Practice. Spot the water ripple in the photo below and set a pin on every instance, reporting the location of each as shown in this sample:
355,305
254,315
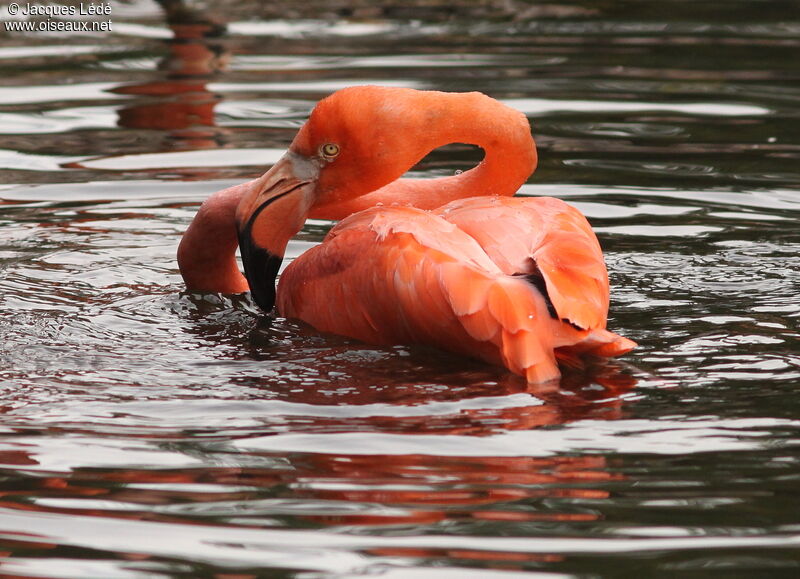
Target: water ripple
149,432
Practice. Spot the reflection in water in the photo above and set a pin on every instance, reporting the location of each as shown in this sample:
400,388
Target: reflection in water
181,105
340,491
145,432
263,489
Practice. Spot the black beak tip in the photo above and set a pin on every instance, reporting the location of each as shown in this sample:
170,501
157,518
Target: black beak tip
261,270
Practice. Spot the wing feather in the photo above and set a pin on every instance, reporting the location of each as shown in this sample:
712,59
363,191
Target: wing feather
526,235
403,275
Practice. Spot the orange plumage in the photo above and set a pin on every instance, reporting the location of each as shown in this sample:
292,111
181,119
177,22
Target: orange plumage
513,281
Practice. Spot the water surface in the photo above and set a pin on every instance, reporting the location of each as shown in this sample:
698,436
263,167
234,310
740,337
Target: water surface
147,432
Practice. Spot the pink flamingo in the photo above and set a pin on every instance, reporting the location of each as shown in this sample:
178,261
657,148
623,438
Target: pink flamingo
453,262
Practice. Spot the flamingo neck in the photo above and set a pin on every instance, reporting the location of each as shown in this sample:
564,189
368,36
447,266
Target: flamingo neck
207,251
509,159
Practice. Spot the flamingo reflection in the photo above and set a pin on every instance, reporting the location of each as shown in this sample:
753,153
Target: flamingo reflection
180,103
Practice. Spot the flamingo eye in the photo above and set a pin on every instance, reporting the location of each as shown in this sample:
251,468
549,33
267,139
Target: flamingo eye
329,151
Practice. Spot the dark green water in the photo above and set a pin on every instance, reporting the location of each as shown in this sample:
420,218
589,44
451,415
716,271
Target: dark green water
148,433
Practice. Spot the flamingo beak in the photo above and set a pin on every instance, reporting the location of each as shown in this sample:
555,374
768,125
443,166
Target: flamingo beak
268,216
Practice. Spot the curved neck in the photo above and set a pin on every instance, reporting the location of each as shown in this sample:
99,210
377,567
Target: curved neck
419,123
475,119
207,251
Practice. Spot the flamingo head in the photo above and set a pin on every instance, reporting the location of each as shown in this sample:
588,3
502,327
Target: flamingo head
355,141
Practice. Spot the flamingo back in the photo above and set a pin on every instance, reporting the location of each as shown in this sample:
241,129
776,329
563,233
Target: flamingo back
404,275
541,237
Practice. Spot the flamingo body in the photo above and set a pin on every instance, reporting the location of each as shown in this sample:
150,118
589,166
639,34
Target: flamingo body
519,282
459,279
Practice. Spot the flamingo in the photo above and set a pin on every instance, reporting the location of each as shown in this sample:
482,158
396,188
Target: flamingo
454,262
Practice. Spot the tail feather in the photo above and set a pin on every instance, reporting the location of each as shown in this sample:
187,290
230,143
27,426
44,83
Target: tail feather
599,342
512,315
507,312
615,346
525,354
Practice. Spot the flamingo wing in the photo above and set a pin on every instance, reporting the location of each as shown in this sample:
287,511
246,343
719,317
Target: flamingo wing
404,275
546,240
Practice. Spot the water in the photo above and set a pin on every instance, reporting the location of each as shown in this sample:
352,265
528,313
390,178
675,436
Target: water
148,432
